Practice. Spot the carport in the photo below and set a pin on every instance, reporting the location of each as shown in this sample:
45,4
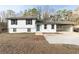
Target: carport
64,28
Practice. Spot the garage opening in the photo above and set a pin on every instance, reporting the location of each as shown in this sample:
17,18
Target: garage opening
63,28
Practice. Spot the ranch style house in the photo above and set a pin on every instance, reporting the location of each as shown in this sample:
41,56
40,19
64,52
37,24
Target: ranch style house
32,24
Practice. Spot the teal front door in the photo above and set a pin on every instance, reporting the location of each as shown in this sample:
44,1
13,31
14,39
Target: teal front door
38,27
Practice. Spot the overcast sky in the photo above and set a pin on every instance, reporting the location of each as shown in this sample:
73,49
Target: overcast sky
18,8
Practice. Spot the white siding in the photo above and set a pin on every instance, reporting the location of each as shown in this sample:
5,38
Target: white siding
48,28
21,26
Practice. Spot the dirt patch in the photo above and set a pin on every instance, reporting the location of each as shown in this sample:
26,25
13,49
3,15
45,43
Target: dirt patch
30,43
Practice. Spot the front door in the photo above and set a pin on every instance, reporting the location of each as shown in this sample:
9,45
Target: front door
38,27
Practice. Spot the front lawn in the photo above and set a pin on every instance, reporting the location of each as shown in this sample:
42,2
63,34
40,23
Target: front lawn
30,43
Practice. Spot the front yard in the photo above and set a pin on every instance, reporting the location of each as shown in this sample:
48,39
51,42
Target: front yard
30,43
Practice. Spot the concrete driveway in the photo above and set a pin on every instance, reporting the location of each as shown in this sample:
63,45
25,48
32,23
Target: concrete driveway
63,38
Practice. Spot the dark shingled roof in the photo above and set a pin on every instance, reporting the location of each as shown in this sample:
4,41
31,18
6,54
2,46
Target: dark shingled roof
58,22
55,22
23,17
42,21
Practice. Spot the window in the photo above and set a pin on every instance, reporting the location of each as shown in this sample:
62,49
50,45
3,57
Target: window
14,21
28,29
52,26
29,21
45,26
14,29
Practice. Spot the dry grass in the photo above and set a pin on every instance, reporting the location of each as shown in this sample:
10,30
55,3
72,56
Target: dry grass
29,43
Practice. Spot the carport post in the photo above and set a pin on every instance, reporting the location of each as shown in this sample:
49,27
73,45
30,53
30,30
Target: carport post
55,27
71,28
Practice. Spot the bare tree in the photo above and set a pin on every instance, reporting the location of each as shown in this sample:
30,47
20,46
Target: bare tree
10,13
3,16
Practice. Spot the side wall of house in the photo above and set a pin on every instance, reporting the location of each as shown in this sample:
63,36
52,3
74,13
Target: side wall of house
21,26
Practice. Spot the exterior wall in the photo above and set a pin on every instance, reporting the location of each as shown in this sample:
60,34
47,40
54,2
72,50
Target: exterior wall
21,26
48,28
